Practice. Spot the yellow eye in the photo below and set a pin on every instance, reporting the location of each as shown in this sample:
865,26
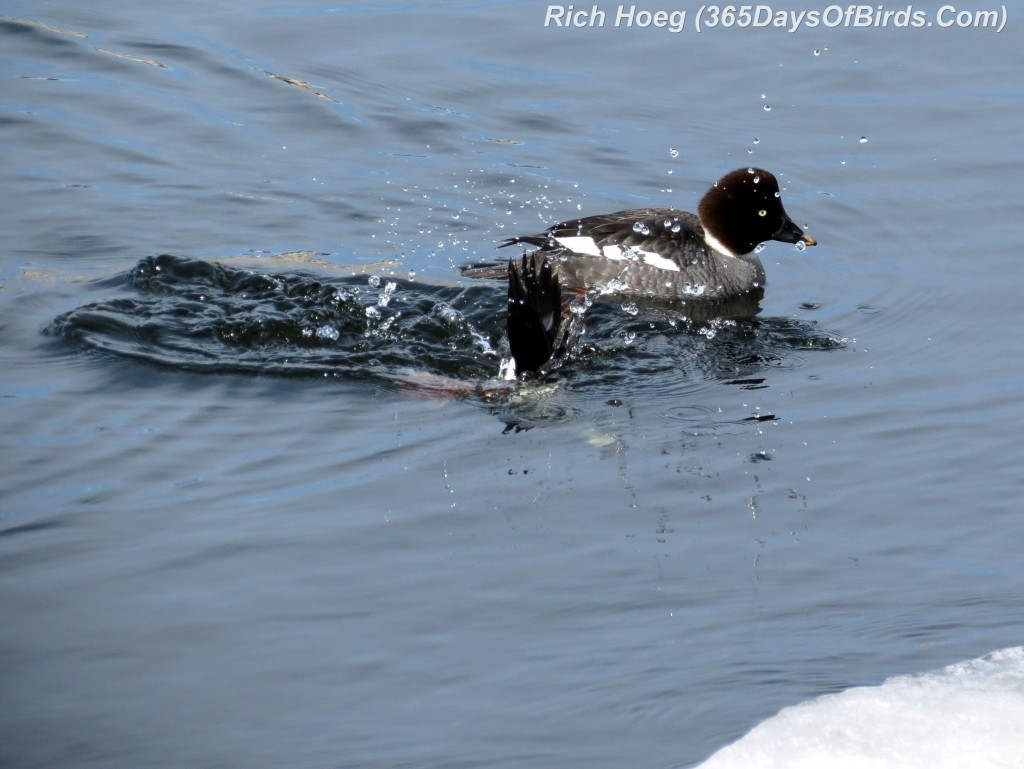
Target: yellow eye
762,212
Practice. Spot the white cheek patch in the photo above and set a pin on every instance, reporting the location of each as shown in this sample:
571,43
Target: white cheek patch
580,244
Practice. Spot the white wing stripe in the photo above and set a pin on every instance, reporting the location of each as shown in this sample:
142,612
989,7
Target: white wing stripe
581,244
658,261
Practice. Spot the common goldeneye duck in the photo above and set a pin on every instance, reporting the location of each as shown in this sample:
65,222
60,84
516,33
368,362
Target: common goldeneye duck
666,253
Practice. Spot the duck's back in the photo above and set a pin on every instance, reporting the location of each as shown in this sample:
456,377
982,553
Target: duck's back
654,252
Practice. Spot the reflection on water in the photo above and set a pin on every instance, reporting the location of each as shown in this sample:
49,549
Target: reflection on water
202,316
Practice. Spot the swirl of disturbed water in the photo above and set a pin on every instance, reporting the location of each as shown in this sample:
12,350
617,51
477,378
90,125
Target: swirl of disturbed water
202,316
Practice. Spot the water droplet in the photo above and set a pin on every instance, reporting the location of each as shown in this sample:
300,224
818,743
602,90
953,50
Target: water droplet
757,179
328,331
800,245
385,295
863,140
690,289
767,107
447,313
756,140
374,281
673,153
641,228
817,52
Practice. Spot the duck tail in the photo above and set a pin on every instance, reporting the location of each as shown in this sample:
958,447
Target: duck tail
534,311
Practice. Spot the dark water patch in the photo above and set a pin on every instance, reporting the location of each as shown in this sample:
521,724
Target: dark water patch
200,316
28,528
438,340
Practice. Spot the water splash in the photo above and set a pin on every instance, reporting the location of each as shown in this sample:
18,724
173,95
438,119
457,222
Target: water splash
197,316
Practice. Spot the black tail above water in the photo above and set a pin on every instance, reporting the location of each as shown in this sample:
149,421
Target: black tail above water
534,311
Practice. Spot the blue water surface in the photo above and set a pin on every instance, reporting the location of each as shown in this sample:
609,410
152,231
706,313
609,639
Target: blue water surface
341,566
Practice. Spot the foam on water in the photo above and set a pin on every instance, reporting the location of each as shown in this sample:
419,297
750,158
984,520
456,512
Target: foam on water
970,714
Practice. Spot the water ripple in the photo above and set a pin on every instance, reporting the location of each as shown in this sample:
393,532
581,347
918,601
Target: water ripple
447,340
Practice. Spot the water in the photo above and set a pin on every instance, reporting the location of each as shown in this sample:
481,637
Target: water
286,548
